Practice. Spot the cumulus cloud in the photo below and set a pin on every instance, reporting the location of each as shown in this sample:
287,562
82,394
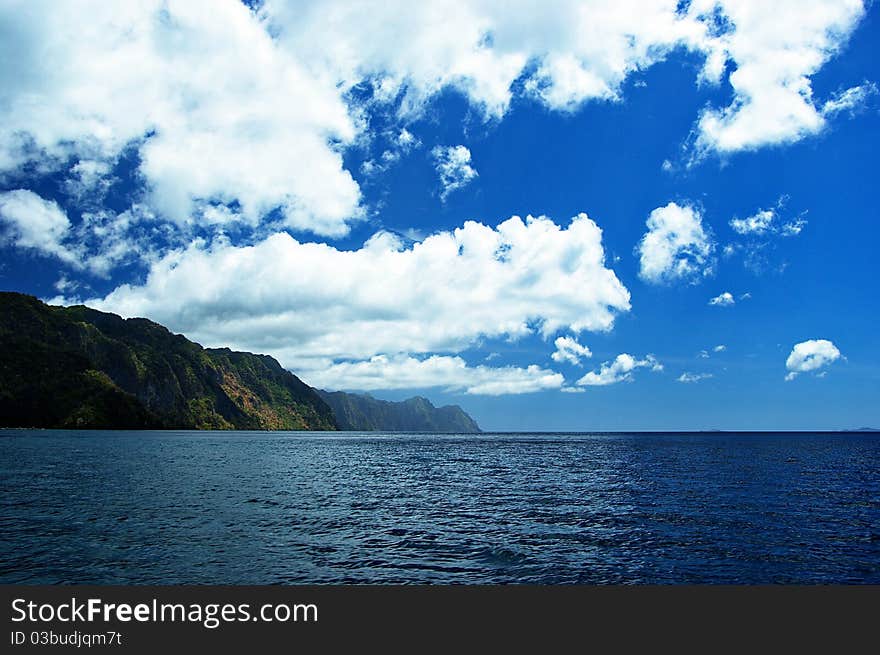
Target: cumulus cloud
265,133
569,350
720,348
209,125
453,164
810,355
619,370
676,246
722,300
690,378
31,222
451,373
775,48
573,52
300,301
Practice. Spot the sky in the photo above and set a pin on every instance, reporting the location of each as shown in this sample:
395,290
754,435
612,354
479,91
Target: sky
604,215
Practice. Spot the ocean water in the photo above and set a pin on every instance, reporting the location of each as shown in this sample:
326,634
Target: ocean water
261,508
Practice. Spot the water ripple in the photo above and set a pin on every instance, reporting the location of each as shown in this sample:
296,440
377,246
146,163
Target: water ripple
257,508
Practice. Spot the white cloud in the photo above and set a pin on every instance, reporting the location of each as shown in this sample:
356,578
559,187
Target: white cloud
775,47
569,52
722,300
619,370
100,241
303,301
401,143
690,378
810,355
65,285
209,123
850,100
406,140
569,350
765,221
758,233
451,373
793,228
266,132
704,354
88,181
676,246
756,224
34,223
453,165
105,239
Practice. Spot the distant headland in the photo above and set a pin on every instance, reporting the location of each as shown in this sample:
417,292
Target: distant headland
76,367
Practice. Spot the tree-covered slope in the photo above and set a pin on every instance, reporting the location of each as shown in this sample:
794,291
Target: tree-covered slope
357,412
78,367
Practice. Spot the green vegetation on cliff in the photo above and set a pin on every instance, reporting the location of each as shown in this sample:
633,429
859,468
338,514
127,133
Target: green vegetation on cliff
357,412
76,367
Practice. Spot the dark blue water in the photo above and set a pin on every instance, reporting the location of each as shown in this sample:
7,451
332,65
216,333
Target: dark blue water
184,507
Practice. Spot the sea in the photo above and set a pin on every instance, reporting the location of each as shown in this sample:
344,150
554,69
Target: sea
127,507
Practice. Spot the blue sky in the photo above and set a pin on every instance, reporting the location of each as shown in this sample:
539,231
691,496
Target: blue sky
335,185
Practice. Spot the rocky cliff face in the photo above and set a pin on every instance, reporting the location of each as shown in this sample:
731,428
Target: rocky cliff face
77,367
